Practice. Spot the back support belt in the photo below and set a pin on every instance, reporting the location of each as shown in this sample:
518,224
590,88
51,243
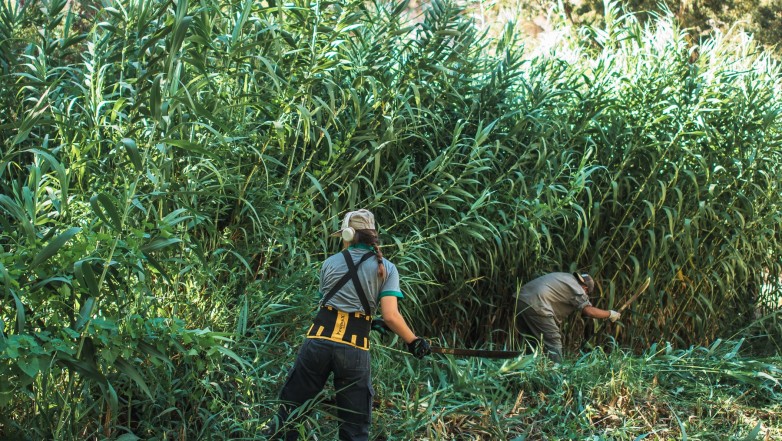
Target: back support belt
351,328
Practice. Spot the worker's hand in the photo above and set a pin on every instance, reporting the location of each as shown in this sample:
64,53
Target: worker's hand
614,316
380,326
419,348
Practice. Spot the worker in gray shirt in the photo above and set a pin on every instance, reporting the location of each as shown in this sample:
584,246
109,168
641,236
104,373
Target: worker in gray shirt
543,303
354,285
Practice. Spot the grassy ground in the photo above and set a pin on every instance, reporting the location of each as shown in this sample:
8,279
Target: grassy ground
698,394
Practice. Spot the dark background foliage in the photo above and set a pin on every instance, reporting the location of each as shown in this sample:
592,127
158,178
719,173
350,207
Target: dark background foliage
760,18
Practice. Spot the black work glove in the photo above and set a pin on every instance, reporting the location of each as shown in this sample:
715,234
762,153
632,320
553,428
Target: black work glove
380,326
419,348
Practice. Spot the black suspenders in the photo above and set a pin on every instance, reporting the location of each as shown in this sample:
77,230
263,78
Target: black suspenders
343,327
352,274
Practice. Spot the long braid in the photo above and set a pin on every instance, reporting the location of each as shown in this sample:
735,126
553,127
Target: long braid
381,269
369,237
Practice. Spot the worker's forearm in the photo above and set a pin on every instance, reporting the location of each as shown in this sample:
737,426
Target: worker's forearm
396,323
591,311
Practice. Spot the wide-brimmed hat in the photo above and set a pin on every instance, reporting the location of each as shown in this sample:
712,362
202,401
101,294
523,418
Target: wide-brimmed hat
362,219
586,280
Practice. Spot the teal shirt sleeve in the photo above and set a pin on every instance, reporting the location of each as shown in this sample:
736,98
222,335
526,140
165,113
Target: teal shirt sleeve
391,285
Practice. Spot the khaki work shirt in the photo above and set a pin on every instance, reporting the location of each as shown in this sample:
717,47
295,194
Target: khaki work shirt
554,294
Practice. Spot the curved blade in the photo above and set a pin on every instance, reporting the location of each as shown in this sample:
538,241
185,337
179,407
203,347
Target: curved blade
635,296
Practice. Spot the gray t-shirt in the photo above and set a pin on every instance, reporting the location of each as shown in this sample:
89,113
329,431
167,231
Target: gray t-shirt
554,294
346,299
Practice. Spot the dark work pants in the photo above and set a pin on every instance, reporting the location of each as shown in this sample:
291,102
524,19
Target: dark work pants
317,359
539,327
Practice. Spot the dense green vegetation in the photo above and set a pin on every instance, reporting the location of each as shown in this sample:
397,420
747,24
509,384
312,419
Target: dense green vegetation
170,171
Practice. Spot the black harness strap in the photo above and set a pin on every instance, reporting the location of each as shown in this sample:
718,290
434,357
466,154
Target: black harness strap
353,271
352,274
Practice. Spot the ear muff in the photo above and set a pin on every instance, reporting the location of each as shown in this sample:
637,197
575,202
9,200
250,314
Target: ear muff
348,234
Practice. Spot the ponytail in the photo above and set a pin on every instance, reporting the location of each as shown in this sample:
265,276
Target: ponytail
369,237
381,269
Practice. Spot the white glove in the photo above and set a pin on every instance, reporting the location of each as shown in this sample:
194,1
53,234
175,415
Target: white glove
614,316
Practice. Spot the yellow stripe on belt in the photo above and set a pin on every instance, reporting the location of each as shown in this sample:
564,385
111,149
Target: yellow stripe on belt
340,325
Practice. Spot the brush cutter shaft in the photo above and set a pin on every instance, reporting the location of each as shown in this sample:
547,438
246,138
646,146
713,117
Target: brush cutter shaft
483,353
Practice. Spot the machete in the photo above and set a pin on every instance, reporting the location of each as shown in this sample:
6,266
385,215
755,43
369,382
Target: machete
483,353
635,296
380,326
592,333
